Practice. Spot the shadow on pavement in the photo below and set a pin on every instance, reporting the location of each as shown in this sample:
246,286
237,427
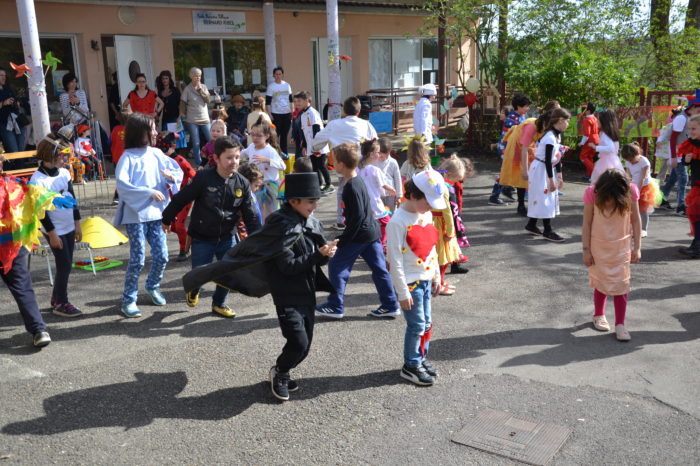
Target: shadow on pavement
137,403
564,346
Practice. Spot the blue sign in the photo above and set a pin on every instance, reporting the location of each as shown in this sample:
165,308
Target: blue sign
382,121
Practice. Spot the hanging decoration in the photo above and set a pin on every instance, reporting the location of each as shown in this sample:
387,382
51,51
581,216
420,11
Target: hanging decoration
49,61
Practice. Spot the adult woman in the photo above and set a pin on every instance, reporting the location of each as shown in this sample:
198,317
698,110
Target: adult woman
194,107
170,95
142,99
10,132
278,98
74,105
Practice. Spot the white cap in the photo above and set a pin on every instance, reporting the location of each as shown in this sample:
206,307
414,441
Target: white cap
433,186
428,89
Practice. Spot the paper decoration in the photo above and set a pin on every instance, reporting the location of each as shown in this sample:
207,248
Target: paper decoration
50,62
472,85
22,70
256,77
237,77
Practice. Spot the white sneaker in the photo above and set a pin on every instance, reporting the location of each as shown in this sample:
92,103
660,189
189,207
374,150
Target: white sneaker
644,233
621,333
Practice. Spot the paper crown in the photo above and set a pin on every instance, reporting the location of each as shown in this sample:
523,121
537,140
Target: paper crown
101,234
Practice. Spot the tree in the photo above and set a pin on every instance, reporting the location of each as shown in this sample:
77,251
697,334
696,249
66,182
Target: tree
466,21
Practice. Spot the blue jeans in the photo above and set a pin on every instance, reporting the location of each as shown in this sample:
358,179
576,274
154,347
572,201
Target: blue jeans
680,175
12,142
340,266
418,322
203,253
140,233
199,135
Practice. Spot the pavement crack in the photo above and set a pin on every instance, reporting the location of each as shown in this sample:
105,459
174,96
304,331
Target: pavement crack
674,407
644,378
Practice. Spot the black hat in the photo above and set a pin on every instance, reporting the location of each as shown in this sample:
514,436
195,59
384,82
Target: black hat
302,186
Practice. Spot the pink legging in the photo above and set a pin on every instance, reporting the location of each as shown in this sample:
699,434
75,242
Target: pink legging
620,301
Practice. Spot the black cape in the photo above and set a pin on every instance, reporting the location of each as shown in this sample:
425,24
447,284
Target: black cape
242,269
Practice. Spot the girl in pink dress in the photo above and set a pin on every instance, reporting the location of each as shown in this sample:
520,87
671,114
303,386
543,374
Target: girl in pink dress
608,147
611,237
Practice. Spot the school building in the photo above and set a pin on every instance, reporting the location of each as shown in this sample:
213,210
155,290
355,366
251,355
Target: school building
98,38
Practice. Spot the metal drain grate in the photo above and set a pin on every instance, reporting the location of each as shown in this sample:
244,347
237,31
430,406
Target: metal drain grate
524,440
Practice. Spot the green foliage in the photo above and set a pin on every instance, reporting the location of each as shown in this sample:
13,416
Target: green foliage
573,75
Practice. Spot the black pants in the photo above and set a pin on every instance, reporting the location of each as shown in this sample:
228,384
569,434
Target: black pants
297,325
320,165
64,265
282,121
19,281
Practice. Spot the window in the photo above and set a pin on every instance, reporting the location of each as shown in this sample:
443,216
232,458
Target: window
402,62
203,54
61,48
235,66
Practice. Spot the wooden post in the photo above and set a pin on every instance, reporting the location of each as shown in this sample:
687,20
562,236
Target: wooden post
270,41
333,60
32,56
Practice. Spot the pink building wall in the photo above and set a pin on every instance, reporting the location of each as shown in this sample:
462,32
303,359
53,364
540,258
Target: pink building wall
162,23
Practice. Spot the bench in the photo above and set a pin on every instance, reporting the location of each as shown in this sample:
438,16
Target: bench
21,172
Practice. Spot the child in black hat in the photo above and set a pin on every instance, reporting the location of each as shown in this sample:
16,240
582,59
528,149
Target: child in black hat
283,258
295,275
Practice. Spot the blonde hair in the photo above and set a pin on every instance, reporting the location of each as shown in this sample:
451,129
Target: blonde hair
348,154
694,119
453,168
418,154
219,123
457,169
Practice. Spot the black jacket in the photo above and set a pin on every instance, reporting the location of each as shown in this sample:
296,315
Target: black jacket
217,203
282,258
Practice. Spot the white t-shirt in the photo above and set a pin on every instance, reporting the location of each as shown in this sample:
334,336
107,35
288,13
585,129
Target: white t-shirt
636,171
309,118
62,219
374,180
349,129
404,266
392,175
680,125
280,97
270,170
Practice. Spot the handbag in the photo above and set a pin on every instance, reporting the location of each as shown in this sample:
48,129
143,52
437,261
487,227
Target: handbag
22,120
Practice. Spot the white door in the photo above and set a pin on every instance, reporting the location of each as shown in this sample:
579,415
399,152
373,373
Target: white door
346,89
133,56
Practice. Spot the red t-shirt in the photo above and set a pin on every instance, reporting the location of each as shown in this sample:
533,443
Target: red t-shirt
145,105
117,143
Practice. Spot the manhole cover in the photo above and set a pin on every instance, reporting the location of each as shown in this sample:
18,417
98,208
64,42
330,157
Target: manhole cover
503,434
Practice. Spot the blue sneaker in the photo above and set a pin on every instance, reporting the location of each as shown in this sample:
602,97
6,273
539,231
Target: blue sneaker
381,312
328,311
130,310
156,296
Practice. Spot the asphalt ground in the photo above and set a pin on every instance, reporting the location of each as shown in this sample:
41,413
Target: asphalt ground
182,385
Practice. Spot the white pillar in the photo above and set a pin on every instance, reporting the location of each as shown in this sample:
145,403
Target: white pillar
32,57
333,61
270,43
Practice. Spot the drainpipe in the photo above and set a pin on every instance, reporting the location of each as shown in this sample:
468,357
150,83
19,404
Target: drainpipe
32,57
270,43
333,60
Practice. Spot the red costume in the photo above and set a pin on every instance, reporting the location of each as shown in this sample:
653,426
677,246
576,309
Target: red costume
692,199
178,226
117,139
589,126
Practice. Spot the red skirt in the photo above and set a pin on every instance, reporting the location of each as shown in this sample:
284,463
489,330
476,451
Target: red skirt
692,207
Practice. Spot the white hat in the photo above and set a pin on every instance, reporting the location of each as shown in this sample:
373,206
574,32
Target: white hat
428,89
433,186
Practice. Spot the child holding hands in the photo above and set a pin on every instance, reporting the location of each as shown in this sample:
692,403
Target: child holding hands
611,237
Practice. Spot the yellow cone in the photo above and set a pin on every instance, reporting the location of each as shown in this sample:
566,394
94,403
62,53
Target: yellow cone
101,234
